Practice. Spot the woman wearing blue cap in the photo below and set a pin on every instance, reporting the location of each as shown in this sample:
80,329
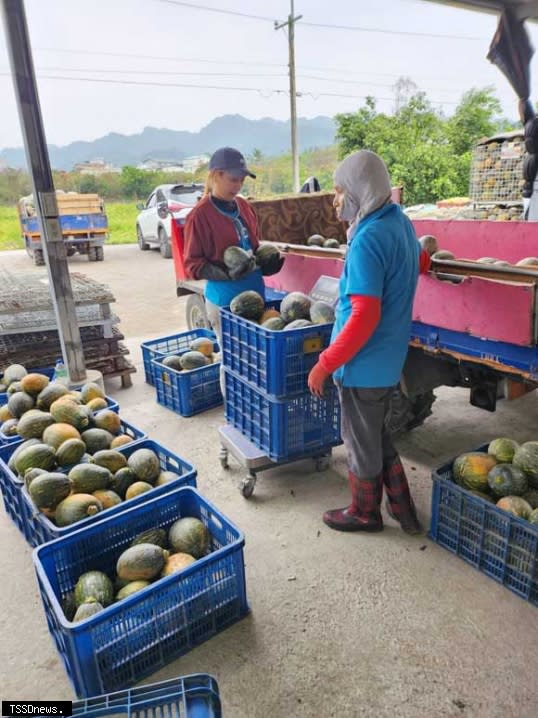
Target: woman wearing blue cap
222,219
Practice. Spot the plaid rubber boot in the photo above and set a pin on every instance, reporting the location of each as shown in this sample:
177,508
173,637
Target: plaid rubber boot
363,513
399,503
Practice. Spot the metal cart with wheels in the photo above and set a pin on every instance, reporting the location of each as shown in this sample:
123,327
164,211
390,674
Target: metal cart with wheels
254,460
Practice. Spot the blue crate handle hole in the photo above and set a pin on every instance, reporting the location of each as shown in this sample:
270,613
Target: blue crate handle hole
215,521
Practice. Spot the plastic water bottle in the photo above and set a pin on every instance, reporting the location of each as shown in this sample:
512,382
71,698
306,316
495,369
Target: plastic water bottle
60,372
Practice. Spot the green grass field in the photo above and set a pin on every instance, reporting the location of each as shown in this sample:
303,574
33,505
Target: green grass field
121,222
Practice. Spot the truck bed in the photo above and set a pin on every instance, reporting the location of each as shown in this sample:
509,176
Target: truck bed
70,224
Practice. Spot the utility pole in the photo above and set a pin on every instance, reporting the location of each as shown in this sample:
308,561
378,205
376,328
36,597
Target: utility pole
293,94
22,70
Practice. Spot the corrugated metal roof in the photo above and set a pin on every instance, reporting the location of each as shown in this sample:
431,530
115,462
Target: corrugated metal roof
525,9
501,136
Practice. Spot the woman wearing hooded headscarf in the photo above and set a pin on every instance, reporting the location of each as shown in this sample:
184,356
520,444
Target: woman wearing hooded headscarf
370,339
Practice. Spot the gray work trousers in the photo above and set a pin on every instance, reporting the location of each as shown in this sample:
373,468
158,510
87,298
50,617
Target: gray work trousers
367,442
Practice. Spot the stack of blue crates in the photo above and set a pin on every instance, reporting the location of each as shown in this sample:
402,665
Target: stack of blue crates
267,396
185,392
133,637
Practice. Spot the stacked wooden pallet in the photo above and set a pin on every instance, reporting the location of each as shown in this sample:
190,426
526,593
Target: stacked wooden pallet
28,332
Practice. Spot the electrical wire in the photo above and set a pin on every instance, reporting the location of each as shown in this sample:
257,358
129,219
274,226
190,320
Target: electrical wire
411,33
157,72
168,58
268,92
152,84
197,6
220,74
327,26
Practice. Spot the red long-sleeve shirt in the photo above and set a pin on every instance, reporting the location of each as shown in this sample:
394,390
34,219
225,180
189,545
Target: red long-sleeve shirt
208,233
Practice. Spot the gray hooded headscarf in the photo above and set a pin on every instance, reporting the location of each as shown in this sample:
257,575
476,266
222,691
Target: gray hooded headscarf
366,183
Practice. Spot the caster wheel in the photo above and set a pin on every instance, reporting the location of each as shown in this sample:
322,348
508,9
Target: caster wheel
223,458
247,486
322,463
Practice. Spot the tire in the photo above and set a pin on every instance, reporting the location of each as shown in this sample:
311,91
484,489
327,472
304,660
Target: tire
39,259
165,247
142,244
92,254
406,413
196,313
100,254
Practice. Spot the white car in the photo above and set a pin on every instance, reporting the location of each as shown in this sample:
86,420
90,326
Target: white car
154,223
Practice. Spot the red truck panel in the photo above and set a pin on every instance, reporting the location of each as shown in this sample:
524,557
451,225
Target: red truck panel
481,307
300,273
470,239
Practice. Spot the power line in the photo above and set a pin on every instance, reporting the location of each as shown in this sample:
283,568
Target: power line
157,72
219,10
169,58
263,92
327,26
356,28
156,57
217,74
153,84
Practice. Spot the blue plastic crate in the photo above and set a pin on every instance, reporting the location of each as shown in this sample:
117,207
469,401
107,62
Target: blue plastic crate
278,363
38,529
495,542
19,511
10,486
193,696
172,344
132,638
283,429
4,439
187,392
48,372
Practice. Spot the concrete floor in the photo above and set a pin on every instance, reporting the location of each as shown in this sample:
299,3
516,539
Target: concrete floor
341,625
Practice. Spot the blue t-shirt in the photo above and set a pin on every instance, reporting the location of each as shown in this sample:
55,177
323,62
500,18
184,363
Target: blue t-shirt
382,261
222,293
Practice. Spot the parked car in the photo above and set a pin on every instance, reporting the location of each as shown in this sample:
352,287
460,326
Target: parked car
154,223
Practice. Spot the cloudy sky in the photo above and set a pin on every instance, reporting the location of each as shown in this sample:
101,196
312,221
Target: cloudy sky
120,65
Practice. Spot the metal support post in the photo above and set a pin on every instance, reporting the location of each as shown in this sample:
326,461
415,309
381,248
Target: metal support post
24,81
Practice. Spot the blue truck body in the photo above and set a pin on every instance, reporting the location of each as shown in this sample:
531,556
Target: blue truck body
83,232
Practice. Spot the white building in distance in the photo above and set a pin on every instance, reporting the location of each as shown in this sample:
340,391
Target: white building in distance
96,167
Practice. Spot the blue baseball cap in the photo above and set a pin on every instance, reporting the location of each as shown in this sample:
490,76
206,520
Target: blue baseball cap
230,160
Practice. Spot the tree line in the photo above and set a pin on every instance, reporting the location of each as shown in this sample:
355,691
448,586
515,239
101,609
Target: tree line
426,152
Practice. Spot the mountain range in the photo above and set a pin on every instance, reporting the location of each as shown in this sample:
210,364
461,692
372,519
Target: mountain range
271,137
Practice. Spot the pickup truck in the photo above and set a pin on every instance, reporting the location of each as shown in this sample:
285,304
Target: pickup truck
474,325
83,222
